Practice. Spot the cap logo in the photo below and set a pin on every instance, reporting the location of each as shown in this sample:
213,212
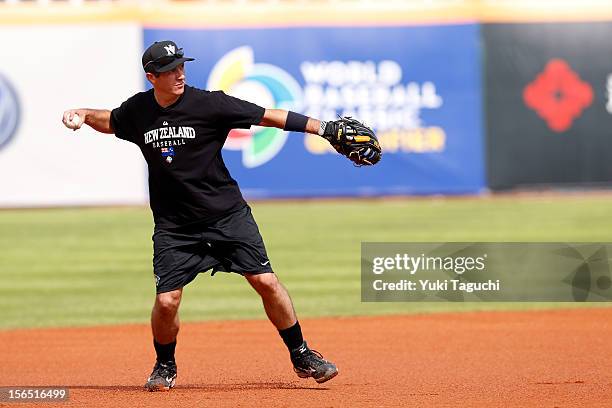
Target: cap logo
170,49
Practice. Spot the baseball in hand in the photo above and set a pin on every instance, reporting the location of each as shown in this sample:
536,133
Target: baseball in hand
76,121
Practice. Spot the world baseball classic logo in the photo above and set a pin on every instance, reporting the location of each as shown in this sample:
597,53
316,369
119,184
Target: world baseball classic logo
237,74
9,111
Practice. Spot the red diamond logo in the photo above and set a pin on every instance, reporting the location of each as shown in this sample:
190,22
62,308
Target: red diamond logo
558,95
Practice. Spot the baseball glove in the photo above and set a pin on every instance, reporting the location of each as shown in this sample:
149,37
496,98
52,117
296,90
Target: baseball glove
354,140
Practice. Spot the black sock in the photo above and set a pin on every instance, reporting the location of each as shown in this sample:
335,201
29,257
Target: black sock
165,352
292,336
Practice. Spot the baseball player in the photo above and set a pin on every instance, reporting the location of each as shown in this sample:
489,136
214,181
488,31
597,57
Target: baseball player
202,222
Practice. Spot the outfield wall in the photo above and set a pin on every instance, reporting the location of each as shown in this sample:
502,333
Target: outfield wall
549,112
454,90
46,70
427,116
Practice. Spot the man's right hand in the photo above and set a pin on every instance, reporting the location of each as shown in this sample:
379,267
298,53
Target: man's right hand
74,118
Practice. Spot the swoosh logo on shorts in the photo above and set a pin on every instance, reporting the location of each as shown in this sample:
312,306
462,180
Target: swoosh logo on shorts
265,263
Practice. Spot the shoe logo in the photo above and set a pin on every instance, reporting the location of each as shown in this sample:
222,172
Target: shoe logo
265,263
170,379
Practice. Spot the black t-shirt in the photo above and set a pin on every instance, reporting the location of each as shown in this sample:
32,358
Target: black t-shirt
188,180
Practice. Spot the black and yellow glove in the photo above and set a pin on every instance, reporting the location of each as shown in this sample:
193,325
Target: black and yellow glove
352,139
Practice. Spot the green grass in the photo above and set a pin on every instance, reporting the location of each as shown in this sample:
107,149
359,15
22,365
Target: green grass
63,267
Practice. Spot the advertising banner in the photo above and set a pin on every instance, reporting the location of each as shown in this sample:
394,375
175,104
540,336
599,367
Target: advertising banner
418,87
51,69
548,106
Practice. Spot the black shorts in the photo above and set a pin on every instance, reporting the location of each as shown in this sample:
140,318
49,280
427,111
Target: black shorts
230,244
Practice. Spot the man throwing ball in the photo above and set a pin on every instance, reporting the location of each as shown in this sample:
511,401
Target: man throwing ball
202,222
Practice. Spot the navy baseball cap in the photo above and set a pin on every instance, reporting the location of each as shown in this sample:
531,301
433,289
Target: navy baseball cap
163,56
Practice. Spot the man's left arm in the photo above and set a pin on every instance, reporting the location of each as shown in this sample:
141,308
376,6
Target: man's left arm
278,118
347,136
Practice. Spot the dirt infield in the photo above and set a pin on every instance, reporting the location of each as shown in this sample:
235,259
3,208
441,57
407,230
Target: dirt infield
544,359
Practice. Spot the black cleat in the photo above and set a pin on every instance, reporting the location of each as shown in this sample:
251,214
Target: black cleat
163,376
310,363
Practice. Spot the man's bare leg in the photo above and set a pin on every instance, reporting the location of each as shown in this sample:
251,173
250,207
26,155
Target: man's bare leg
165,326
280,311
275,298
164,316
